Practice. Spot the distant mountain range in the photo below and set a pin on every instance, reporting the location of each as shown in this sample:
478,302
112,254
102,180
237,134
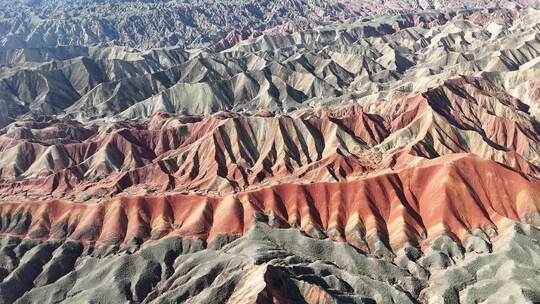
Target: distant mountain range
147,24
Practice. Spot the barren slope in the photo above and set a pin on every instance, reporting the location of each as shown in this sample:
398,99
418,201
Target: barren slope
390,159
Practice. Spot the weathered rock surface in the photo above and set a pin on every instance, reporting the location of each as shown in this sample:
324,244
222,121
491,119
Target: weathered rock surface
266,265
366,59
269,152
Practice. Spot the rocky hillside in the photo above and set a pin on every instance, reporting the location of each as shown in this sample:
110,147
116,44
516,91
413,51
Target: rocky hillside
273,152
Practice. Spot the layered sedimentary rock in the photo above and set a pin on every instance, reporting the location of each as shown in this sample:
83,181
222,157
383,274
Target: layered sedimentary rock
408,206
228,152
389,159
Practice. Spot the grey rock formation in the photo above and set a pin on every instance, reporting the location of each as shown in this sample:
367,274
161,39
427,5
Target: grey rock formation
280,264
361,60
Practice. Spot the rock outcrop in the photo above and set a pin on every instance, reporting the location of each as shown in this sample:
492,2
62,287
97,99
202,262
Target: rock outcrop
291,152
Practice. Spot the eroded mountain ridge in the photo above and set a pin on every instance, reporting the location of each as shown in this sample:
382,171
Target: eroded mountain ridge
382,159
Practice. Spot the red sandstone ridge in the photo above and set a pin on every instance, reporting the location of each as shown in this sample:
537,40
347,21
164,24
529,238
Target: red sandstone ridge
396,171
229,152
450,195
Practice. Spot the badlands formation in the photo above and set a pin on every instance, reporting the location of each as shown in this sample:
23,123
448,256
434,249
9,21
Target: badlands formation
351,158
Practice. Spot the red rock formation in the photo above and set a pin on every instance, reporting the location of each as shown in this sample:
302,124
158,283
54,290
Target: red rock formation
449,195
397,171
230,152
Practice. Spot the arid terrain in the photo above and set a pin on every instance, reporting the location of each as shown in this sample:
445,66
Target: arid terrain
270,151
